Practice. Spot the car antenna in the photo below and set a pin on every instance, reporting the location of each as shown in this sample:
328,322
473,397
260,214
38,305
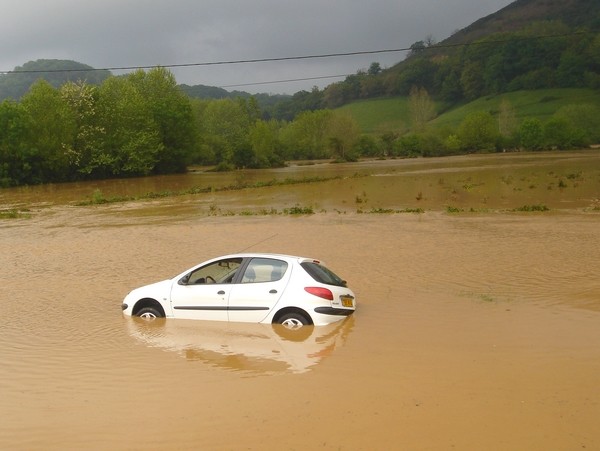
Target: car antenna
260,242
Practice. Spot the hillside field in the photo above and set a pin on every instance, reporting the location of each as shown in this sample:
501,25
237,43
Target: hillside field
393,114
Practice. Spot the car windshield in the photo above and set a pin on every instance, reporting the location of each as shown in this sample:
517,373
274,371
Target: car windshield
322,274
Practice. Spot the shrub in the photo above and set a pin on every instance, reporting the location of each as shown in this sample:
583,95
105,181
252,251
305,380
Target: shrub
478,132
531,134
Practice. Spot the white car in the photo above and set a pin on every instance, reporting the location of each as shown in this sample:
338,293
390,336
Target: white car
257,288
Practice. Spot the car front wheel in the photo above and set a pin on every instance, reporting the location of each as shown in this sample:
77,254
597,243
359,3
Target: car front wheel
293,321
149,313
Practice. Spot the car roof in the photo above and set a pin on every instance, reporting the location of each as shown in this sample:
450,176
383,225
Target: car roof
297,258
268,255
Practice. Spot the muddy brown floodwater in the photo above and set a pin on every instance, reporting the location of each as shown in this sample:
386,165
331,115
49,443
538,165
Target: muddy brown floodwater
475,330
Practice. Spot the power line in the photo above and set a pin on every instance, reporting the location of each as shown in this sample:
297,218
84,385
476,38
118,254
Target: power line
291,58
289,80
210,63
301,57
434,46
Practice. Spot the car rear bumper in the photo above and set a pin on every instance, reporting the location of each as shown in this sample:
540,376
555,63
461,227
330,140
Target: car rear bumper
334,311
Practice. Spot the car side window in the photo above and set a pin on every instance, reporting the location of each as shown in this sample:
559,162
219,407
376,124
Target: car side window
222,271
264,270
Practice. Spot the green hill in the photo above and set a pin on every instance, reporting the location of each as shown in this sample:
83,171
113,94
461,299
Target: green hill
56,72
380,115
540,104
393,114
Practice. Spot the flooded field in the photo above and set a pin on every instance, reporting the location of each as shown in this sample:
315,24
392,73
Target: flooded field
478,323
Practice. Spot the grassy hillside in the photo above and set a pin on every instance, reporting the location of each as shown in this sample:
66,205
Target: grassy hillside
392,114
380,115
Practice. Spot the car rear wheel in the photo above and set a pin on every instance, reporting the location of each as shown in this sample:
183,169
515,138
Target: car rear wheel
293,321
149,313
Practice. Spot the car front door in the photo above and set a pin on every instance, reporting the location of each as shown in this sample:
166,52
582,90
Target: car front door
203,293
258,290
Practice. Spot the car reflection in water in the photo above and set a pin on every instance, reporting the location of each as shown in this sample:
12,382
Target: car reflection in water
259,349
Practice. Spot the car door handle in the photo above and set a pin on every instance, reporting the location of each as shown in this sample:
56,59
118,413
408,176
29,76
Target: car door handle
273,291
220,292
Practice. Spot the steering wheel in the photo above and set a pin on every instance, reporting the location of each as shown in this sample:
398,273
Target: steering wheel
209,279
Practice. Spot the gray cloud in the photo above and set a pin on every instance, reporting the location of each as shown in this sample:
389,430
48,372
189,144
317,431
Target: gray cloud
116,33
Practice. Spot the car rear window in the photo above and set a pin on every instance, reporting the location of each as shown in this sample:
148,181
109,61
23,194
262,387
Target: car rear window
322,274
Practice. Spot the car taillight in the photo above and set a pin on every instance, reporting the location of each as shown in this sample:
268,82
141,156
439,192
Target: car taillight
321,292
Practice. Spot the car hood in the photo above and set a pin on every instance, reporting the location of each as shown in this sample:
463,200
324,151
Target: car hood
154,290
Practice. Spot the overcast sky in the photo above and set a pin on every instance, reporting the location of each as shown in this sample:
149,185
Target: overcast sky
124,33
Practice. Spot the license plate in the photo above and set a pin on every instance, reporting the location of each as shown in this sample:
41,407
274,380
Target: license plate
347,301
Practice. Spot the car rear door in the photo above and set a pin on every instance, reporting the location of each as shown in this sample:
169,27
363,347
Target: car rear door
259,289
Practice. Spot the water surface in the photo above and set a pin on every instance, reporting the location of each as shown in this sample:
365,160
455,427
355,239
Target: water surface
475,330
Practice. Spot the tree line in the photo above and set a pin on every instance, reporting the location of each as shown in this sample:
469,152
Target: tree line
571,126
142,124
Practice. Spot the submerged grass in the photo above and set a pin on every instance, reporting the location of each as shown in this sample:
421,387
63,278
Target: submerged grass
531,208
98,198
296,210
390,210
299,210
14,214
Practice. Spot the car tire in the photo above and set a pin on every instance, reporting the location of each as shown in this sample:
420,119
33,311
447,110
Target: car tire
149,313
293,321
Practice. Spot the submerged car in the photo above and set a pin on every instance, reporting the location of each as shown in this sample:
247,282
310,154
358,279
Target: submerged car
259,288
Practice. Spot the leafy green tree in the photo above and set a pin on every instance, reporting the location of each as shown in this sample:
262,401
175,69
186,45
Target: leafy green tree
583,117
52,130
225,126
409,145
16,155
570,72
132,138
333,95
367,146
471,80
264,141
478,132
531,133
172,112
351,87
374,69
452,144
420,72
307,137
343,133
80,149
561,134
372,86
300,101
451,89
422,108
251,107
388,140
